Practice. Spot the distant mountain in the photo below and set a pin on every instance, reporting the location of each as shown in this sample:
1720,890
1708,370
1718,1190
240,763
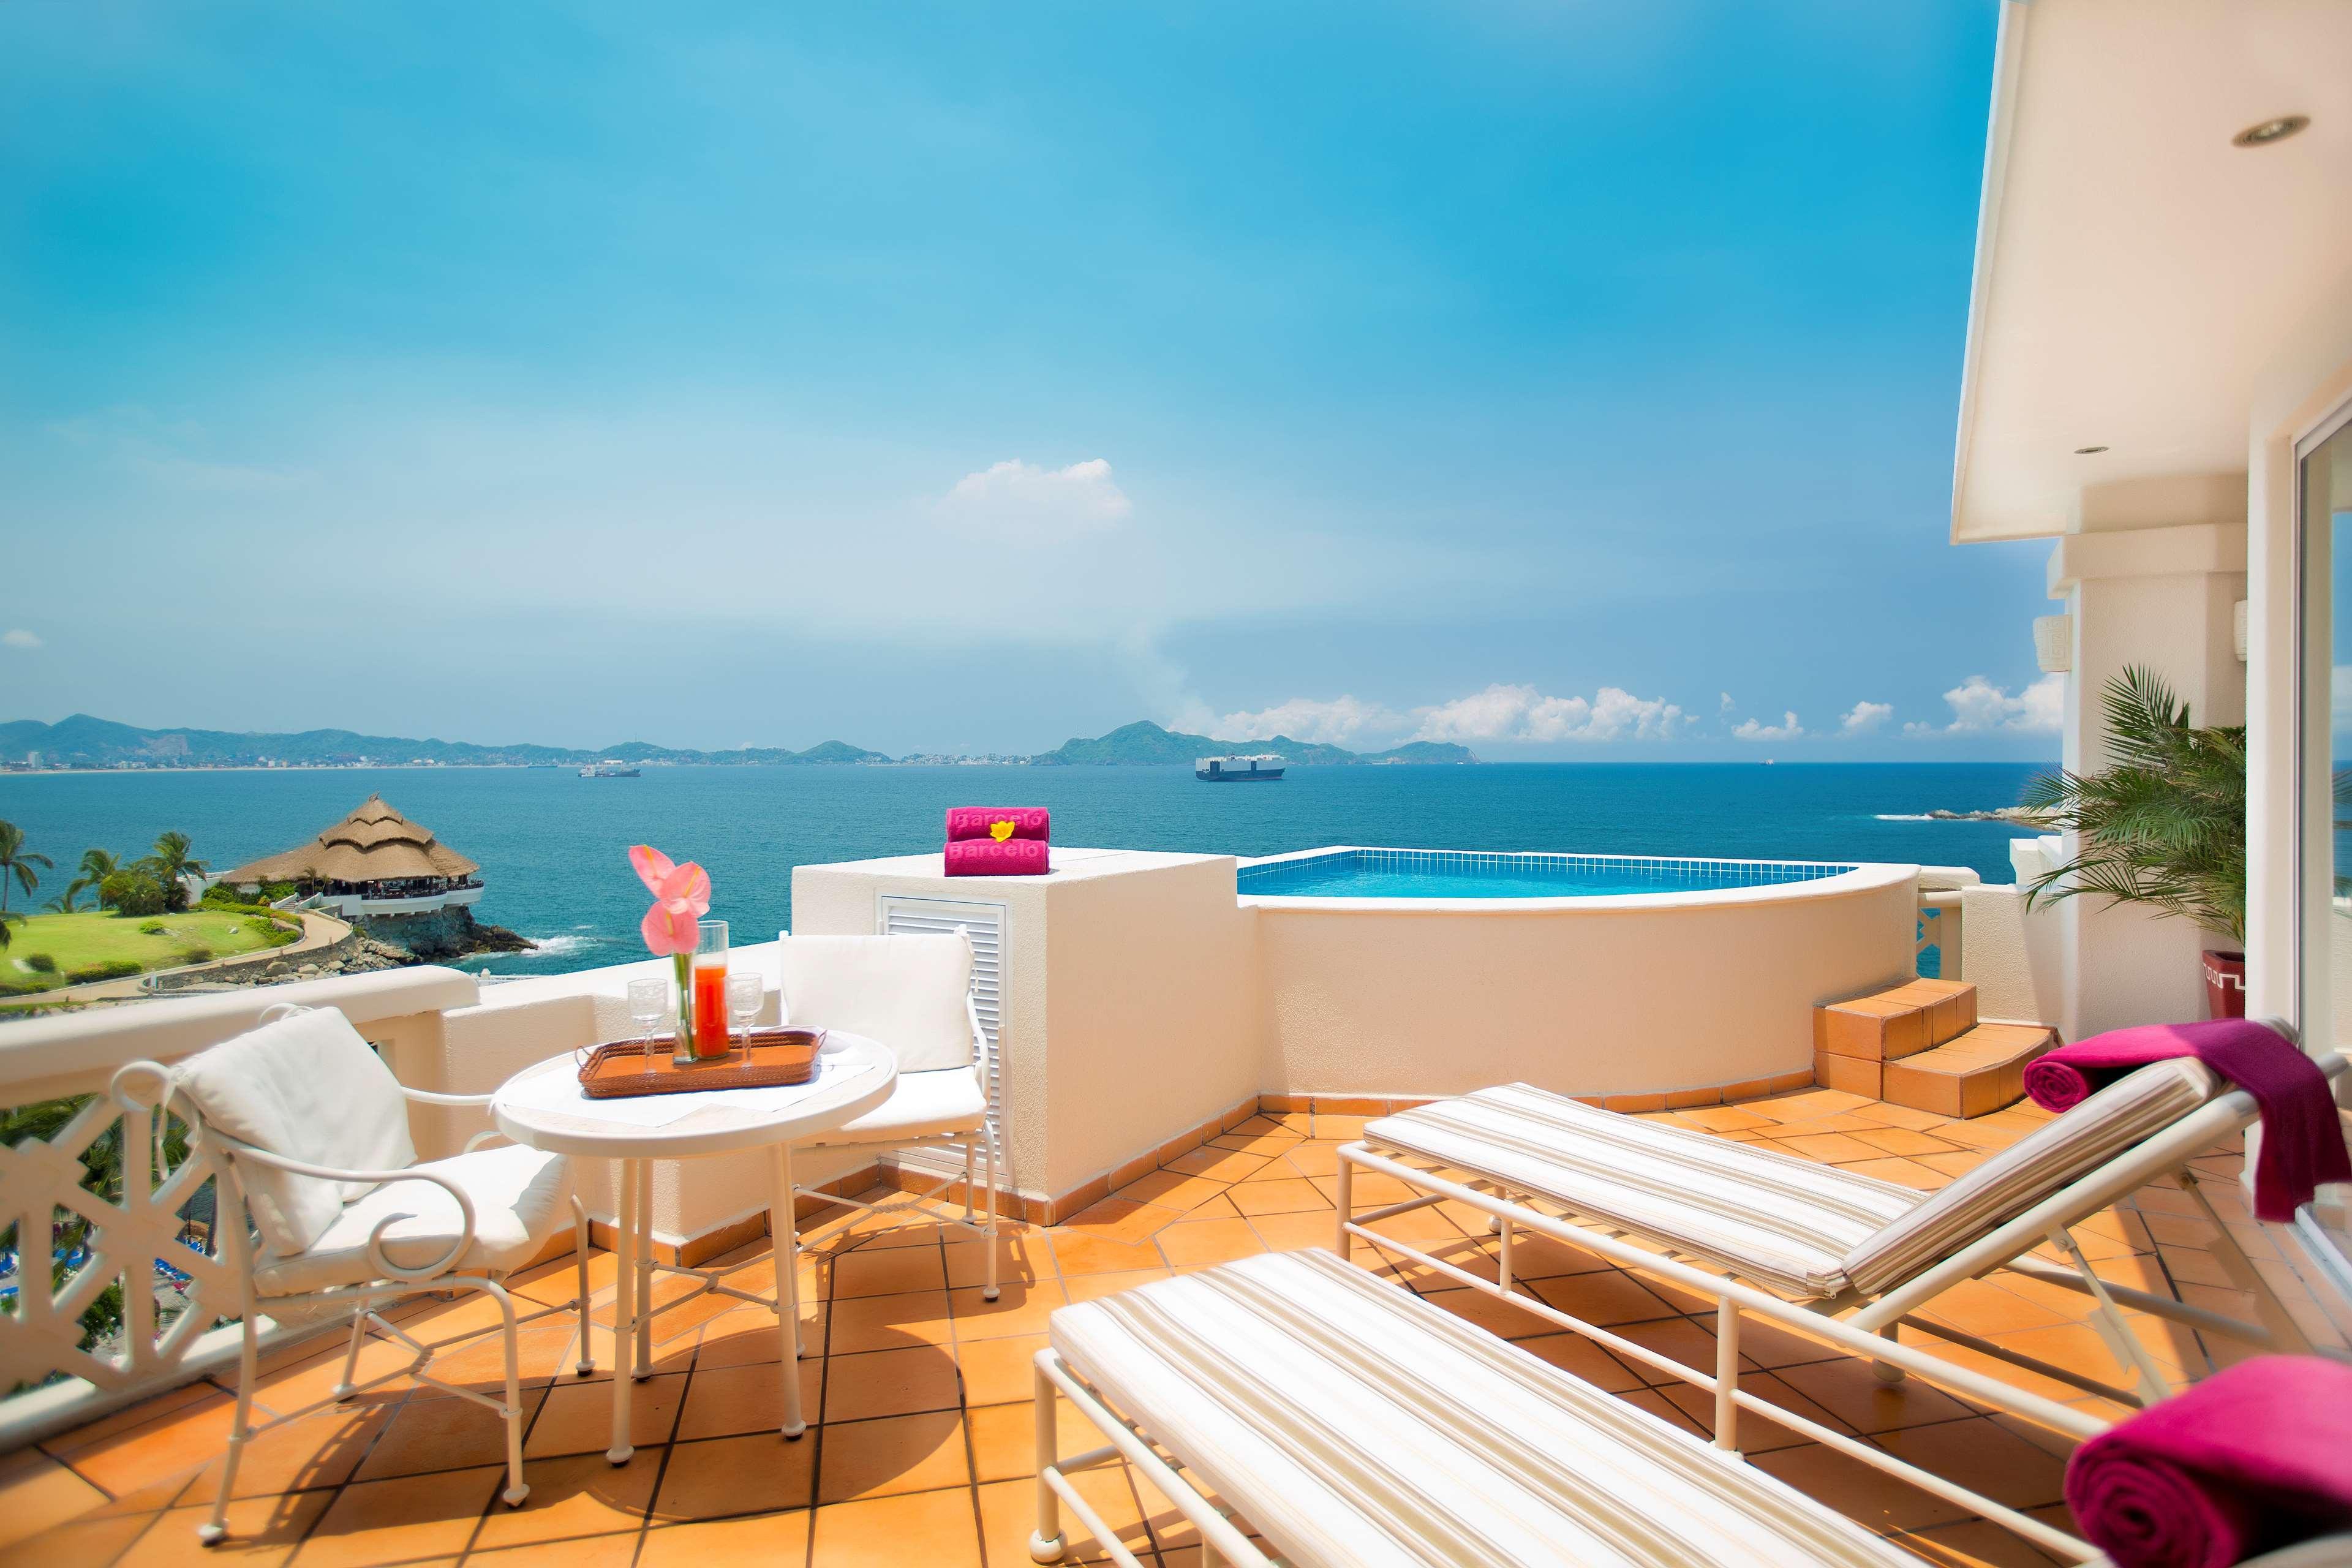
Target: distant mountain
83,741
1145,742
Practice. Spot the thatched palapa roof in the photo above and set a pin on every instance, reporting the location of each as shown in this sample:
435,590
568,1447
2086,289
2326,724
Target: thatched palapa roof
373,843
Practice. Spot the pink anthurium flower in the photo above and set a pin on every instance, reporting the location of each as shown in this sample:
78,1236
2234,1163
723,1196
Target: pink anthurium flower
681,897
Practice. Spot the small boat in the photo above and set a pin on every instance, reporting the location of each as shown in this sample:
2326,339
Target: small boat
1265,768
607,771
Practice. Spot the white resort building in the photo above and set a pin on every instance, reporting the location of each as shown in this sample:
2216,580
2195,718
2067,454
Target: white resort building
1861,1307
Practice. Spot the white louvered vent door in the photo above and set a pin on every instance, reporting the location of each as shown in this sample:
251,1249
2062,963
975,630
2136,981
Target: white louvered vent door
898,915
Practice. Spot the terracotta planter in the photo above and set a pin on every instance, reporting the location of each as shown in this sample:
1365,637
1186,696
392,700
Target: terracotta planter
2225,985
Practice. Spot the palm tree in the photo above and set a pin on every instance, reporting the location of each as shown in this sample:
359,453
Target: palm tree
2165,824
65,903
97,866
172,860
16,863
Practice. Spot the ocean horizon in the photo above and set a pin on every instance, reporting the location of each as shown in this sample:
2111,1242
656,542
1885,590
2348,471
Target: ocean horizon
552,845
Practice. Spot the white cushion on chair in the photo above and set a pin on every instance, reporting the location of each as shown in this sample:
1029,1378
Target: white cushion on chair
520,1197
921,1105
907,992
307,1088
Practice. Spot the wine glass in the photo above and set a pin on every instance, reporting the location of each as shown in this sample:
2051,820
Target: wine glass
744,994
648,1002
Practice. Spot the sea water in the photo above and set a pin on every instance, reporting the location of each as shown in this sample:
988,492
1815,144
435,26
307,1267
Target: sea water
552,845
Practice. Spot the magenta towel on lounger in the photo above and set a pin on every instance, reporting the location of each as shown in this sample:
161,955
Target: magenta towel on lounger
988,857
980,822
2257,1458
2302,1141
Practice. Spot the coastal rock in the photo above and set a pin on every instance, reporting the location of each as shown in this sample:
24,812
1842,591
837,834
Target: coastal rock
2016,814
442,934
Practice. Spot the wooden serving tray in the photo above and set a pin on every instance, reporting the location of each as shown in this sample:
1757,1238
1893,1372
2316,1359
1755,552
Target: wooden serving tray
774,1057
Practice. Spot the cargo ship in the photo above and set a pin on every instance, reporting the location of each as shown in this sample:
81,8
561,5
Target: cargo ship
1263,768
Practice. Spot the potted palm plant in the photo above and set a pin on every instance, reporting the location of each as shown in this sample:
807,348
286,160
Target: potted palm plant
2163,825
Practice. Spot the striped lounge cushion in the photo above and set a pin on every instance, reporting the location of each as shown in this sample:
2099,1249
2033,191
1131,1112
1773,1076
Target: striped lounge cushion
2136,1106
1783,1222
1358,1426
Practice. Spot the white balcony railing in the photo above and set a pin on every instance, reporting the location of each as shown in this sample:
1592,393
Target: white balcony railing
1941,890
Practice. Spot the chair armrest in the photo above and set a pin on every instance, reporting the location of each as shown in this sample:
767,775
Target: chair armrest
238,1150
428,1096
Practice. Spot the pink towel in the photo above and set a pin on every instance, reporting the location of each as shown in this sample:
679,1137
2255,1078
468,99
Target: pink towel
2302,1143
975,821
2257,1458
987,858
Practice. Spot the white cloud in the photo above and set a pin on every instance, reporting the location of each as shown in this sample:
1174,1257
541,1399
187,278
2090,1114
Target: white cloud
1725,705
1522,713
1037,504
1978,707
1865,717
1334,722
18,636
1787,730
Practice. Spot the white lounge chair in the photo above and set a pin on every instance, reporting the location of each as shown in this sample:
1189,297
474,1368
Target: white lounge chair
321,1207
1834,1240
913,994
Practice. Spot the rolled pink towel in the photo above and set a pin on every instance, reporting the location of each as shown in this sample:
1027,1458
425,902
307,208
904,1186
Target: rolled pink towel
2303,1141
2255,1458
980,822
988,857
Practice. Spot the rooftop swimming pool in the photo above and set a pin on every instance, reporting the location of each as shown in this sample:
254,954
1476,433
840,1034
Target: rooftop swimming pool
1355,873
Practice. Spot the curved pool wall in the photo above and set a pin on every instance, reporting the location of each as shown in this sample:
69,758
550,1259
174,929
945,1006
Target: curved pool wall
1616,993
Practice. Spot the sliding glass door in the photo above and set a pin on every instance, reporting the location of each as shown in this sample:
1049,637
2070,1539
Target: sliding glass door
2323,509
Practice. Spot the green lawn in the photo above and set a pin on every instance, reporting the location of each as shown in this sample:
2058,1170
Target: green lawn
78,940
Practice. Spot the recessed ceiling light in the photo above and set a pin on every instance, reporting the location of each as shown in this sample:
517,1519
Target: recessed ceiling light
2087,451
2270,131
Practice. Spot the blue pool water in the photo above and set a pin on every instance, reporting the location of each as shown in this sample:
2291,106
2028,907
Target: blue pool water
1443,874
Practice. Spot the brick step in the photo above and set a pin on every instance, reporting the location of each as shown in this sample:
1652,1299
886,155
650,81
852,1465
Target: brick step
1981,1072
1854,1040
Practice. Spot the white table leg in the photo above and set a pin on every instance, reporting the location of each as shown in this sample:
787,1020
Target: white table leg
644,1222
625,1278
783,1246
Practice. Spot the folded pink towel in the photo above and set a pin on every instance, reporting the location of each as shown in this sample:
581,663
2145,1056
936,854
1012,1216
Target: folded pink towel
987,858
2254,1458
2302,1141
978,821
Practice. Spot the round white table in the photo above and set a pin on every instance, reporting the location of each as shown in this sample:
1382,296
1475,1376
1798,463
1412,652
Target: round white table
855,1075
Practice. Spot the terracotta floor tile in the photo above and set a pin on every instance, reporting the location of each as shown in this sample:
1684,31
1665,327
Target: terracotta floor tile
1891,1115
1956,1164
888,1383
261,1531
1004,1437
92,1539
421,1434
1677,1339
132,1417
1339,1129
751,1334
393,1521
1724,1119
573,1418
1218,1164
730,1400
1017,1309
887,1271
759,1472
1118,1219
1812,1125
895,1454
1851,1391
1097,1255
762,1540
1170,1189
1904,1140
937,1530
1758,1433
1605,1299
1298,1232
889,1322
1314,1160
1984,1308
1576,1355
1267,1143
1655,1401
1209,1241
1829,1147
1971,1543
1985,1456
1020,1260
617,1550
997,1371
1294,1196
579,1494
1868,1495
1008,1512
1088,1286
1505,1319
173,1444
37,1492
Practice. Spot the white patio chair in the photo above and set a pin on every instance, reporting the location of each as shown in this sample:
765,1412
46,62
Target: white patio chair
913,994
321,1206
1834,1240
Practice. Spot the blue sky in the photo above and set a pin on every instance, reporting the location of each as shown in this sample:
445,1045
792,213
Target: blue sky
1571,380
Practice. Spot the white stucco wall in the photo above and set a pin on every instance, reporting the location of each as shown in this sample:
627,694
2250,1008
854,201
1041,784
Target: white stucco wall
1600,995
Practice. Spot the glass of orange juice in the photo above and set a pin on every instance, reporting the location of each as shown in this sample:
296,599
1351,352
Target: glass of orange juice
711,1038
